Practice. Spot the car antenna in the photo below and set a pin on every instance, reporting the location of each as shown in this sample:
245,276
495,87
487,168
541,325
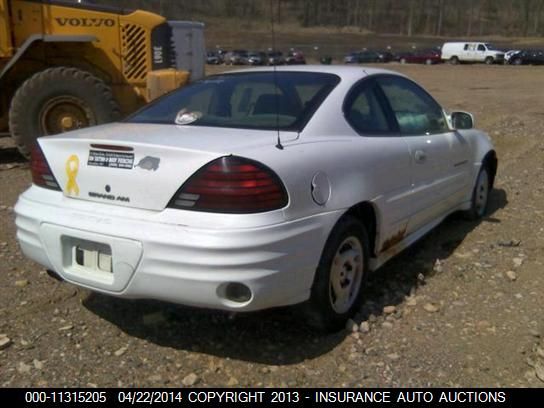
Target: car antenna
274,75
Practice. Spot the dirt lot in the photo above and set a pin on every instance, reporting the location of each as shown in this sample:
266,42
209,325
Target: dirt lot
464,307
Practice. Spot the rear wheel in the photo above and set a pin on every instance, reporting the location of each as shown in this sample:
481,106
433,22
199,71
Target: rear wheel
403,60
428,61
58,100
454,60
338,283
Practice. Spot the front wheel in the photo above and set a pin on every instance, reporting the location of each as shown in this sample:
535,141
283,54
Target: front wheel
480,195
339,278
489,60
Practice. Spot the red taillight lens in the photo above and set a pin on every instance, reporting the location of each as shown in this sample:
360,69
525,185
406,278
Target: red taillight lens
231,185
41,172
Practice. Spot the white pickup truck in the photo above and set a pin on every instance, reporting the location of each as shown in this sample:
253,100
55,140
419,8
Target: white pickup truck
456,52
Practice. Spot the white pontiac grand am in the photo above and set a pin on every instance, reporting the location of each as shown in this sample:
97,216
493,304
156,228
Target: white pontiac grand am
255,189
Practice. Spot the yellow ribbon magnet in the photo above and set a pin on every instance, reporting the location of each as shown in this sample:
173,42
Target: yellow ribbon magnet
72,167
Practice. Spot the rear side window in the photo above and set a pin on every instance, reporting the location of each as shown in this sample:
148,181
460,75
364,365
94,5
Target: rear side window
416,112
364,112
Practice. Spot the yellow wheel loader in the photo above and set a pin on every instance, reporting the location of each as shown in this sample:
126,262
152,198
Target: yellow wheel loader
65,64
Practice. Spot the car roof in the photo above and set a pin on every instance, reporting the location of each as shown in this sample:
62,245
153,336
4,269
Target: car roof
344,72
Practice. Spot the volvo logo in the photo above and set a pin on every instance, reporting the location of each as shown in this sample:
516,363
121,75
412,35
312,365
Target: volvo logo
85,22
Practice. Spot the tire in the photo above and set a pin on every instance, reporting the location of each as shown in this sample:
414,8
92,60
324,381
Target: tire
428,61
403,60
480,195
454,60
343,268
517,61
489,61
57,100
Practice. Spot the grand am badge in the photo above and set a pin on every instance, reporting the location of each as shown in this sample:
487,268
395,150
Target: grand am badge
110,197
72,168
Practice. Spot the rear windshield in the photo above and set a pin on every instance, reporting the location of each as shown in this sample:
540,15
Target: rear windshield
258,100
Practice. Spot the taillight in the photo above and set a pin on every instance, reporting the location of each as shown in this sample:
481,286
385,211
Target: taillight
41,172
231,185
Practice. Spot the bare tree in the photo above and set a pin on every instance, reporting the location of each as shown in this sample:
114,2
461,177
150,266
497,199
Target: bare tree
409,17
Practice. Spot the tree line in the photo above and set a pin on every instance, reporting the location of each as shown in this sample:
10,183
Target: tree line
520,18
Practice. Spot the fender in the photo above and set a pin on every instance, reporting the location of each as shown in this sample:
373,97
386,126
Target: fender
44,38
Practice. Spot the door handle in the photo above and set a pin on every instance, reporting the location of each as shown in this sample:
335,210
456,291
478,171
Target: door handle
420,156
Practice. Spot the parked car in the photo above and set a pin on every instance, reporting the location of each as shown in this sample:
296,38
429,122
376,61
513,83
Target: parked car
236,57
275,58
508,54
385,56
456,52
363,57
256,58
254,189
221,53
427,57
397,56
352,58
295,57
528,57
212,58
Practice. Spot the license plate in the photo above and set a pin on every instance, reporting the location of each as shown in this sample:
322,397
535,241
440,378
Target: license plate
92,256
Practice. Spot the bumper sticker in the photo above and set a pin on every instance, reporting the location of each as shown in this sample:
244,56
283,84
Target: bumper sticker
114,160
72,167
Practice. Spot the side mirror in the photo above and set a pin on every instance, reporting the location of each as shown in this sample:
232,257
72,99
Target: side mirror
462,120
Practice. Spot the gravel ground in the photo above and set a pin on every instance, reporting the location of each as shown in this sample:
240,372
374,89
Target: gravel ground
461,308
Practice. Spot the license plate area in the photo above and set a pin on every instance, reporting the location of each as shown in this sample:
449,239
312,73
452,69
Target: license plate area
87,256
61,245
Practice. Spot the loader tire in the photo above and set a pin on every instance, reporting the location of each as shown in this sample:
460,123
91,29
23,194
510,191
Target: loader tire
58,100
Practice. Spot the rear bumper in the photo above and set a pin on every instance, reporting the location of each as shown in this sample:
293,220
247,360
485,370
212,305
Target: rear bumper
174,263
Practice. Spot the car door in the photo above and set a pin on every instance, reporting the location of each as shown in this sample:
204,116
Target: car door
385,160
439,156
481,53
470,52
466,53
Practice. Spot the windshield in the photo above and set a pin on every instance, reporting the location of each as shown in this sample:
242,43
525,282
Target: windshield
259,100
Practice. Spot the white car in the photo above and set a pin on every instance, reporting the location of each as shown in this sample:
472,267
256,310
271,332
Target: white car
254,189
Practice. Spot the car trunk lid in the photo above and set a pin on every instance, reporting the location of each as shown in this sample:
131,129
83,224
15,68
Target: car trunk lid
140,166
